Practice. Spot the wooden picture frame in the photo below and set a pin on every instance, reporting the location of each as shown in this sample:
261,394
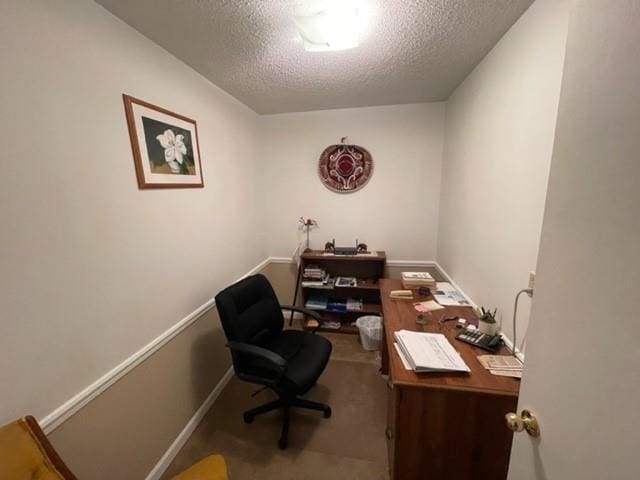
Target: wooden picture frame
166,151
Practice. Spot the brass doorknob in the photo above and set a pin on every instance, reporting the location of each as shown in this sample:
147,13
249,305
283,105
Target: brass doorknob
525,421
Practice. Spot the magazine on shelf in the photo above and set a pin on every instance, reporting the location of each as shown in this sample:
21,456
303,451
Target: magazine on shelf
346,282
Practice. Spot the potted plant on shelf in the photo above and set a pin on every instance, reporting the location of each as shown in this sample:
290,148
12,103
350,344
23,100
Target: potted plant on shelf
487,321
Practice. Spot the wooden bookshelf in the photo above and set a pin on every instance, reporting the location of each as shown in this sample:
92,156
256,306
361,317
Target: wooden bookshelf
366,268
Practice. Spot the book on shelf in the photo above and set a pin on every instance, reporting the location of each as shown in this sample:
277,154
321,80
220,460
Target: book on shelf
331,325
313,272
346,282
326,281
317,302
336,306
354,305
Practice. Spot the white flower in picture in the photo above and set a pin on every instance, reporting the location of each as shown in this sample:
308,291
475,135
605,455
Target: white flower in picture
174,149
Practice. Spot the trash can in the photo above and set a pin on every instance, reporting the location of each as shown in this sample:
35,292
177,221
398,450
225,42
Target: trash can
370,327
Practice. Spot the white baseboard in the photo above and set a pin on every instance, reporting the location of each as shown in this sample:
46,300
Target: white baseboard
412,263
71,406
158,470
280,260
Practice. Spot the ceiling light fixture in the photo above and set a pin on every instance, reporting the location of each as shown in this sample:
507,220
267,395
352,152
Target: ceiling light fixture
335,25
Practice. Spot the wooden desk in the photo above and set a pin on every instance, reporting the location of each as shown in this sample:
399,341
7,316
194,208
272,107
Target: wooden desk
443,425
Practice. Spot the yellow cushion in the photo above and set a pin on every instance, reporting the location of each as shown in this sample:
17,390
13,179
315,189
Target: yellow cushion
212,467
23,457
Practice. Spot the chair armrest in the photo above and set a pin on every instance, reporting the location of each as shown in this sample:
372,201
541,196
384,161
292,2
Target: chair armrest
306,311
272,358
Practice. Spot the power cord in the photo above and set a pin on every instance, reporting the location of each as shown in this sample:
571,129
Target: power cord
528,291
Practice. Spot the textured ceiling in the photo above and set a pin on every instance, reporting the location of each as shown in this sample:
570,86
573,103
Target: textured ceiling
411,50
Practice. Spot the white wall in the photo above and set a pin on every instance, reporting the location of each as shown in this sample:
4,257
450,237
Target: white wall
499,135
91,267
581,377
396,211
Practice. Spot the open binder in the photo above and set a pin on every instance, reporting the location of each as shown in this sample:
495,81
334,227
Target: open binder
428,352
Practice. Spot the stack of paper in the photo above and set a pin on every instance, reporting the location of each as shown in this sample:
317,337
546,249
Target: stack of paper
314,276
418,279
428,352
502,365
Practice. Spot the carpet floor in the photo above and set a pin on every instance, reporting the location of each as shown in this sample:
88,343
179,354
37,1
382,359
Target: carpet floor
350,445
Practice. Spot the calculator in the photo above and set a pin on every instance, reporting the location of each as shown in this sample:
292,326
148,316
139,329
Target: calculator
491,343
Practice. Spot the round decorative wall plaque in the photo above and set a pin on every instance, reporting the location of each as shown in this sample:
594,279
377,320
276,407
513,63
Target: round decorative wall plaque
345,168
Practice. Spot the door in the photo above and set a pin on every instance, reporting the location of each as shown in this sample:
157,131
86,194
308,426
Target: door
582,371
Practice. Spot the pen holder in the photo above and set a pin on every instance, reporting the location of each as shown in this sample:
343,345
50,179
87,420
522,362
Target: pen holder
488,328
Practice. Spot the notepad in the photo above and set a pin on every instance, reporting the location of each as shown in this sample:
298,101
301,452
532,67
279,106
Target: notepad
428,306
401,294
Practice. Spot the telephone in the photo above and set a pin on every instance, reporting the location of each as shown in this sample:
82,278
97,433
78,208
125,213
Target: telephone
491,343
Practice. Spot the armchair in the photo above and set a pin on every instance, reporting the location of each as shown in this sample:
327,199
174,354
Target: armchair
26,453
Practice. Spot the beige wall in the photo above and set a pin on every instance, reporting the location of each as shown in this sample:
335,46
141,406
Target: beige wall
124,432
93,269
499,137
398,209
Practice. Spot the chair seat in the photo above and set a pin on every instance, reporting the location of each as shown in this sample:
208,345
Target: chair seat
307,355
212,467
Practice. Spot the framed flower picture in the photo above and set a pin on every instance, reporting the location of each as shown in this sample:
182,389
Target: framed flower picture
165,146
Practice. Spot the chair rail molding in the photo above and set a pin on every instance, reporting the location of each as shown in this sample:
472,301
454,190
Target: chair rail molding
159,468
58,416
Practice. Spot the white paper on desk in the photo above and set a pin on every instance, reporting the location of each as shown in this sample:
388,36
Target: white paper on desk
447,295
405,362
429,352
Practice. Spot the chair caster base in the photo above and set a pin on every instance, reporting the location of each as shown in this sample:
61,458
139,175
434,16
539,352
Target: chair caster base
327,412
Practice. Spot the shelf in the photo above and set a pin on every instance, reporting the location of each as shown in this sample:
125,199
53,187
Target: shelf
362,285
367,309
366,269
345,328
319,256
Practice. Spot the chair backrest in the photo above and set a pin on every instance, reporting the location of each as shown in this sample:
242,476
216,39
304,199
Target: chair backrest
25,452
249,311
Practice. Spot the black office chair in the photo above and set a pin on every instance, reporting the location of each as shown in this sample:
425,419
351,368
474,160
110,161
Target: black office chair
288,362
